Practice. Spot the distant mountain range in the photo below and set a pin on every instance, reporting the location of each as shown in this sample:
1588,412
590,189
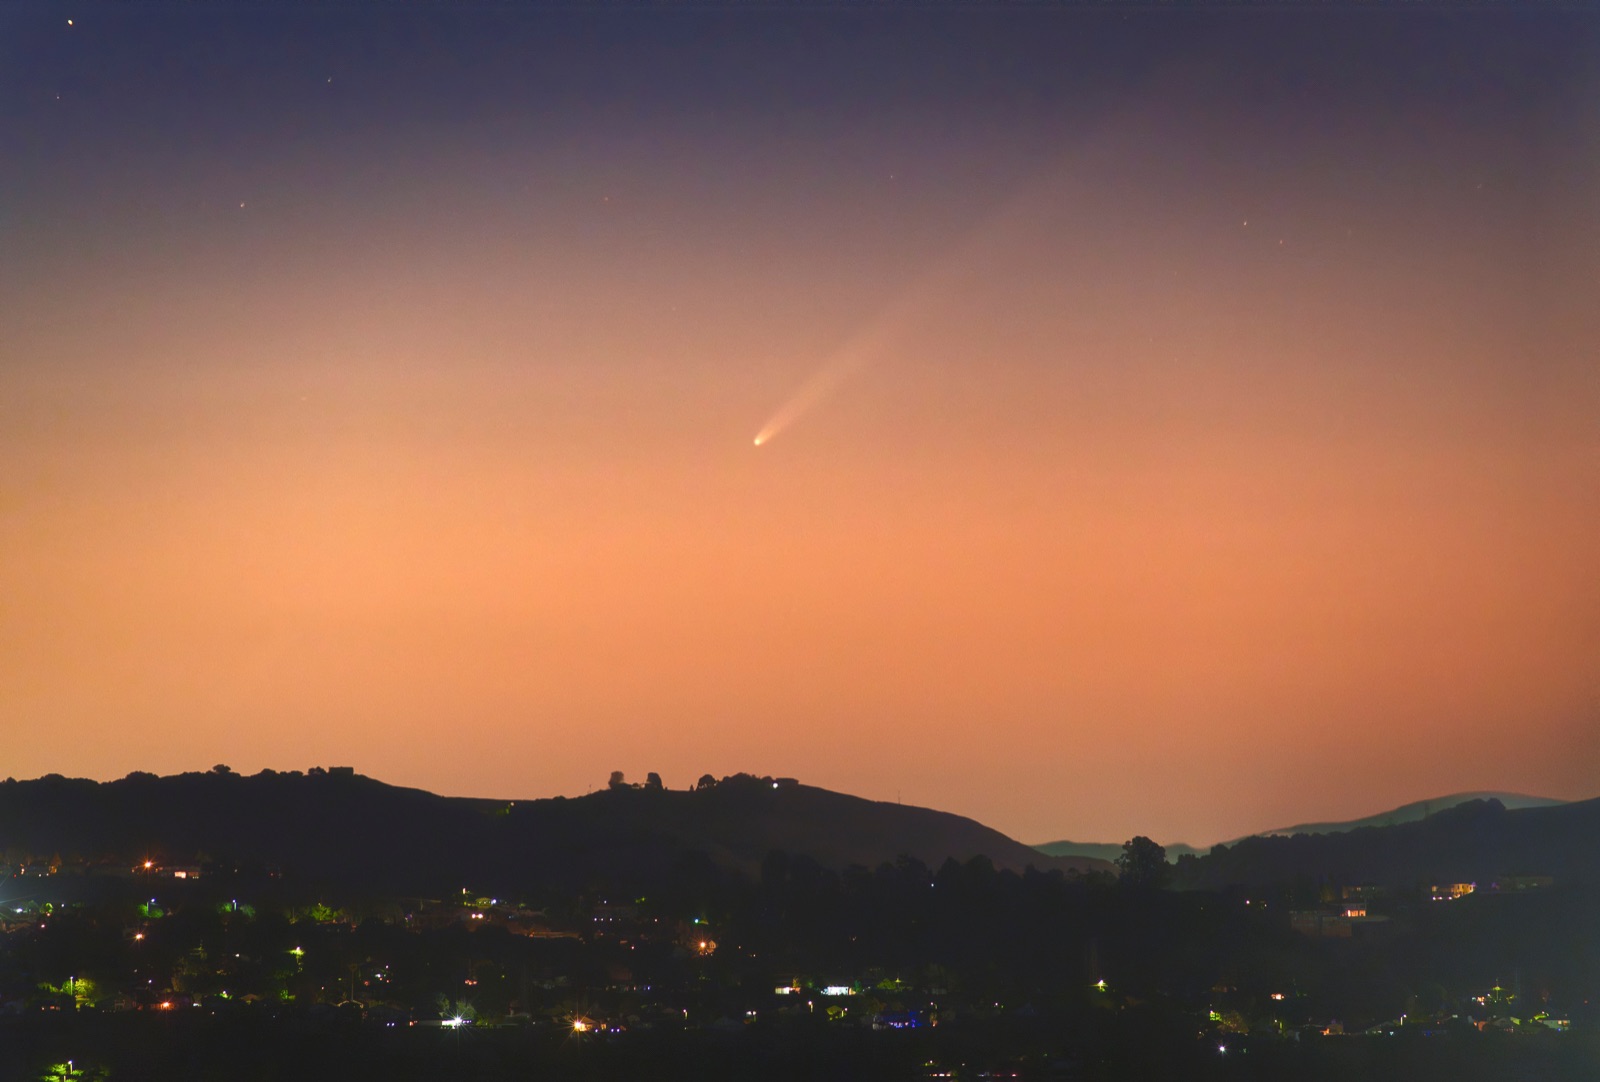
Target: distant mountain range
1107,851
1478,841
340,827
1406,813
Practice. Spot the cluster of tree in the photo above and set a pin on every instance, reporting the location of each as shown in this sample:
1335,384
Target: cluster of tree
652,780
1143,863
618,780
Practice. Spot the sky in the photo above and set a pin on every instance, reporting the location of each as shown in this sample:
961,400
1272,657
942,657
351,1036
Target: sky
1179,424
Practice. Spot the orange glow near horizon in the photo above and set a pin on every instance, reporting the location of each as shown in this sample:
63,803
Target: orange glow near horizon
1136,520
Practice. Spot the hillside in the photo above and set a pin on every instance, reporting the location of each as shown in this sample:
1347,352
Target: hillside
341,827
1406,813
1410,813
1475,841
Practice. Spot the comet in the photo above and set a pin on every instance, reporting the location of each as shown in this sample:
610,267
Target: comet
1051,196
822,383
911,306
867,344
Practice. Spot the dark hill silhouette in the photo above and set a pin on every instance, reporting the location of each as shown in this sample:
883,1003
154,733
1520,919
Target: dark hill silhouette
1419,809
1475,841
343,828
1406,813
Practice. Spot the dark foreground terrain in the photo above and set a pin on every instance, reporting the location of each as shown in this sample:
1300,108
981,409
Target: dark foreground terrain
290,1046
635,934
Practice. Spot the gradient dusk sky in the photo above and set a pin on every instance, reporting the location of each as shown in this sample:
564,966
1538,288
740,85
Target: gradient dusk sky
1186,423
